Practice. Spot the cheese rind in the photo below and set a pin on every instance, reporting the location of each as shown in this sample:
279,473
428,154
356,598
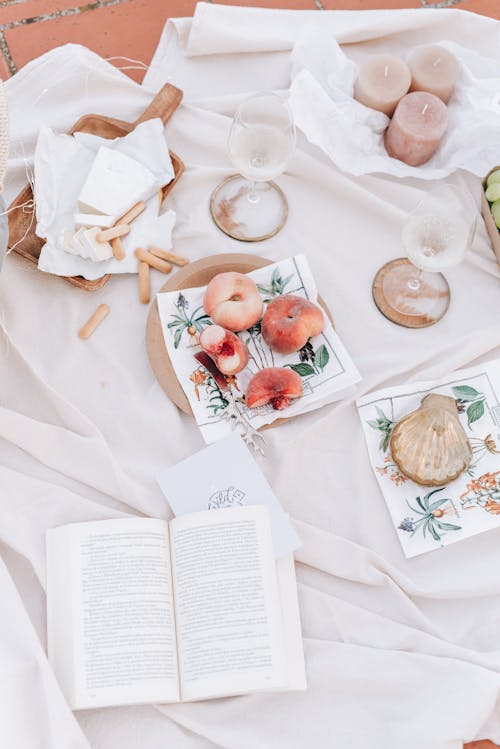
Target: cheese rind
115,183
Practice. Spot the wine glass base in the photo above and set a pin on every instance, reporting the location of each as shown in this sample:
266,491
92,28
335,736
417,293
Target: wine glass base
241,219
412,309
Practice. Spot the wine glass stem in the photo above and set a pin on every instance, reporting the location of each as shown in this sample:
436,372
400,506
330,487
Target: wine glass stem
253,195
414,283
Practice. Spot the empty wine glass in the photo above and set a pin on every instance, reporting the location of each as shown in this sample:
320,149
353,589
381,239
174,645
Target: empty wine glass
248,205
412,291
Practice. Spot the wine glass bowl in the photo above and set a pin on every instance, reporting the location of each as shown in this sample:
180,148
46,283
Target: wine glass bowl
438,232
249,206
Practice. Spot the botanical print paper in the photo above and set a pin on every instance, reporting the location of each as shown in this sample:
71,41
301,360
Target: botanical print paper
427,518
323,363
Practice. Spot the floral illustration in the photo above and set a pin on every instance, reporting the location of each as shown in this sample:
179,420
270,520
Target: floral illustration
470,401
429,516
392,472
481,448
276,286
483,492
311,362
384,425
193,324
212,393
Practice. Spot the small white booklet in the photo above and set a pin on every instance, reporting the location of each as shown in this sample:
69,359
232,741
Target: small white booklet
140,610
427,518
226,475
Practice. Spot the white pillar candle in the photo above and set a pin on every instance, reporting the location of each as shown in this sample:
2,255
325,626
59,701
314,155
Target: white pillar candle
382,81
434,70
415,131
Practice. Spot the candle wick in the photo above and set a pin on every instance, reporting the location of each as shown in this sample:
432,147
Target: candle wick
386,71
436,62
424,110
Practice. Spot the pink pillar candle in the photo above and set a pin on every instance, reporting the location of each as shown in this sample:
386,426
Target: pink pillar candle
415,131
382,81
434,70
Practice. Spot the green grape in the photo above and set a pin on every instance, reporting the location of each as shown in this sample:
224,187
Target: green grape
493,192
495,210
494,178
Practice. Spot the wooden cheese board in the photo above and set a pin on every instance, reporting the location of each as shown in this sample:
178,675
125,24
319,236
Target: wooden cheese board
193,275
22,223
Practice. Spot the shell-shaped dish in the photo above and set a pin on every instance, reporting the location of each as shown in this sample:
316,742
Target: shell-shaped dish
430,445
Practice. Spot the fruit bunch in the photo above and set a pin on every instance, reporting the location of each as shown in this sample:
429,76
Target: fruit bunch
493,195
233,302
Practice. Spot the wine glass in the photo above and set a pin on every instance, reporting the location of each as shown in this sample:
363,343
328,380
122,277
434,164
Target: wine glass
412,291
248,205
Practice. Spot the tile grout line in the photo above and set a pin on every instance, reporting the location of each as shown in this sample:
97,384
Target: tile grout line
4,49
61,14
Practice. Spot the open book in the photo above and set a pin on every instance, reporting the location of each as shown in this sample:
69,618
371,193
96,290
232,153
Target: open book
140,610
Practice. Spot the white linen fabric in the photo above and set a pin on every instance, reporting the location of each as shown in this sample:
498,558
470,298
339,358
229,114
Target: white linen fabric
400,653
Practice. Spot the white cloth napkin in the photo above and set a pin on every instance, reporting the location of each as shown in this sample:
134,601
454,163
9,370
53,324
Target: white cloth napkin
400,652
352,135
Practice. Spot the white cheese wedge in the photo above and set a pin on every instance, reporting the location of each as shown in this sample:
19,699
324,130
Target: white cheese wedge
93,219
78,244
98,251
115,183
67,238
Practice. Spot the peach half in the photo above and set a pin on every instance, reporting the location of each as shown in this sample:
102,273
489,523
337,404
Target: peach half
275,385
289,322
233,301
229,352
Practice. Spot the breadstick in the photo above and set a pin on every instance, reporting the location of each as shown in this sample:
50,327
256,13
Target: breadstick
154,262
94,321
167,255
118,248
132,213
144,285
116,231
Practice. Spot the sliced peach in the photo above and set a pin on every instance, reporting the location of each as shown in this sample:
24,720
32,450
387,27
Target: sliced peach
289,322
233,301
275,385
229,352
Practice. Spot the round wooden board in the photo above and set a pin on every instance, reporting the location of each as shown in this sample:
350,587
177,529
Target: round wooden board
195,274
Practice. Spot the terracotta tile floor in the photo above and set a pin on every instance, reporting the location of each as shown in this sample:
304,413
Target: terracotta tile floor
131,28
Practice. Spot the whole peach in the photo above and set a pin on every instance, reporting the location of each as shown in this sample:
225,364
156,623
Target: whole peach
229,352
233,301
275,385
289,322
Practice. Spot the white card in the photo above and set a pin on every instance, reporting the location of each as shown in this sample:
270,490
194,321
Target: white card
226,475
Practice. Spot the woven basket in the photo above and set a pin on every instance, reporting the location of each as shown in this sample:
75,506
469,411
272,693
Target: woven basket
4,135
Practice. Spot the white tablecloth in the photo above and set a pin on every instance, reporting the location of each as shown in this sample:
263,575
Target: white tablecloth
400,653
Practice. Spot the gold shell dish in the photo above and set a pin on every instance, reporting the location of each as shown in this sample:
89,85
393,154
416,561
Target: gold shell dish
430,445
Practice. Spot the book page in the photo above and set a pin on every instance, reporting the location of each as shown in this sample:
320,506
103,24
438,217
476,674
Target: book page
294,649
120,593
227,604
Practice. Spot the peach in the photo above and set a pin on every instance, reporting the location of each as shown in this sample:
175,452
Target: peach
275,385
233,301
289,322
229,352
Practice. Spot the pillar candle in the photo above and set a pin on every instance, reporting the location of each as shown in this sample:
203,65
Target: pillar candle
434,70
382,81
415,131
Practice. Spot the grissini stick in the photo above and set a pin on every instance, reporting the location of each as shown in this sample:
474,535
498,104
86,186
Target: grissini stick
151,260
120,230
132,213
94,321
118,248
144,285
170,256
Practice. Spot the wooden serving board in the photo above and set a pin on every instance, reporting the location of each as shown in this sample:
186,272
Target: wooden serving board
195,274
22,223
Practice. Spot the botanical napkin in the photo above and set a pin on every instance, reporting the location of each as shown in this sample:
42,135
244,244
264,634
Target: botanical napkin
351,134
426,518
324,364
